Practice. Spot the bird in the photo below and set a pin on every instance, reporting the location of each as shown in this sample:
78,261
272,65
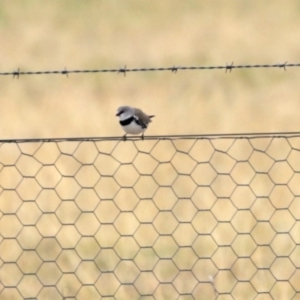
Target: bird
133,120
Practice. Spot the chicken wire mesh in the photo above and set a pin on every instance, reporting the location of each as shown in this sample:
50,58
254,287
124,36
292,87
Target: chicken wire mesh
196,218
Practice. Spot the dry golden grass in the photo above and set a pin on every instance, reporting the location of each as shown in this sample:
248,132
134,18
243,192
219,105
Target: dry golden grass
55,35
93,34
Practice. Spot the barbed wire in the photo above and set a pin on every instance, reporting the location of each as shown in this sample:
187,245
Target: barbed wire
253,135
125,70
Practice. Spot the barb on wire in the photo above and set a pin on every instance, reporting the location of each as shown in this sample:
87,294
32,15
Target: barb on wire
283,66
229,67
123,70
16,73
65,72
173,69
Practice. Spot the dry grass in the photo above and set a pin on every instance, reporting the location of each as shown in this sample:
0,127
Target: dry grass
39,35
56,34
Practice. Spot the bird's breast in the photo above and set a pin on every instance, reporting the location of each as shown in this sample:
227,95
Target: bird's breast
132,128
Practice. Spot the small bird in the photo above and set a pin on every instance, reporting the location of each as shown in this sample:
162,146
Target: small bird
133,120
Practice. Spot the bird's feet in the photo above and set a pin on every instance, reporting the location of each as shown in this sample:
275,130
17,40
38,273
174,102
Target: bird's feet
124,138
142,137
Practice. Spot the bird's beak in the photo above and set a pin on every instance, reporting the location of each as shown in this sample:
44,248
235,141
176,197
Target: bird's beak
117,113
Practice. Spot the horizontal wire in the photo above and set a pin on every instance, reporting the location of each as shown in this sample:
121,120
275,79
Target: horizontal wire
159,137
174,69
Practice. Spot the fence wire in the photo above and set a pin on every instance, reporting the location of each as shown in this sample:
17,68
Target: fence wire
124,70
180,218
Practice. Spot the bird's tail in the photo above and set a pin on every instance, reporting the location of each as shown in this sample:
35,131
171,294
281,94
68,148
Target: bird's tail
151,116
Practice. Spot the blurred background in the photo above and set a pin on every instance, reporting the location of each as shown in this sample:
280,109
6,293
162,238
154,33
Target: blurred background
80,197
53,35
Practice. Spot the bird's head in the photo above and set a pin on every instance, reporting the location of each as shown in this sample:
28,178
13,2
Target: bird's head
124,112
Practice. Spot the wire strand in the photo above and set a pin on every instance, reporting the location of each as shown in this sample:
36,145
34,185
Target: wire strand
159,137
174,69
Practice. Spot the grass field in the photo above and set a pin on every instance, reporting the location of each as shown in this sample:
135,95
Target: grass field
54,35
73,35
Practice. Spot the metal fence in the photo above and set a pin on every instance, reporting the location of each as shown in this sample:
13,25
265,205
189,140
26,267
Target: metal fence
208,217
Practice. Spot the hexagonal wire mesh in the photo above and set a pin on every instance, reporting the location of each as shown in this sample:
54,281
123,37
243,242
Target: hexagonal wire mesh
196,218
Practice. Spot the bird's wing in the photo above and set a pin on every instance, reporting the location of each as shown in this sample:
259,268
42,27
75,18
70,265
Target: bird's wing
141,116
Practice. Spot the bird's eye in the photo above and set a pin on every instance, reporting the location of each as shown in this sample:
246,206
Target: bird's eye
119,112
